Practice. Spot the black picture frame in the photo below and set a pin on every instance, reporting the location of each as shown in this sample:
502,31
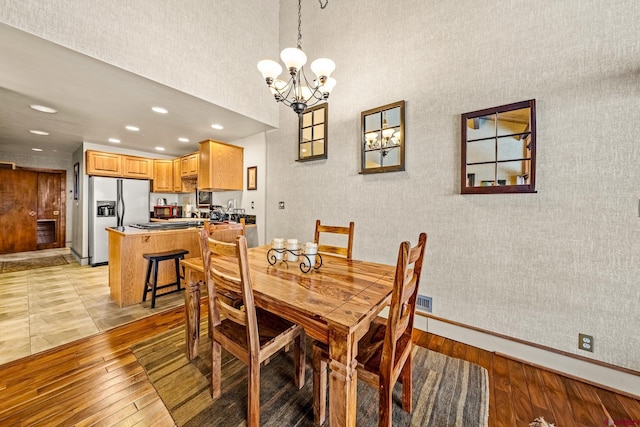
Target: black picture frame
76,181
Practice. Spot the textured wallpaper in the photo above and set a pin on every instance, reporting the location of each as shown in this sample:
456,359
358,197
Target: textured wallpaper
539,267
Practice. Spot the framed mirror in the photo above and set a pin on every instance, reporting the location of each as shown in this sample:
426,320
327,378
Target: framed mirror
312,138
382,139
499,149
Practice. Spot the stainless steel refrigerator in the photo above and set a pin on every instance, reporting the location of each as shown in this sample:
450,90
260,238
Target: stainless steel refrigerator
114,202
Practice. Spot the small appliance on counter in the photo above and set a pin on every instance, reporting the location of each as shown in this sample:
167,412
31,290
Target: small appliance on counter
216,213
168,211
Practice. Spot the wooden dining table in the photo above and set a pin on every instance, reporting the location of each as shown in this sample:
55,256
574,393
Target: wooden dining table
335,304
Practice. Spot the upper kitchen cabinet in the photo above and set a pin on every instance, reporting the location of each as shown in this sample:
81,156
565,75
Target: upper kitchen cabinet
162,176
104,164
137,167
220,166
177,176
189,165
118,165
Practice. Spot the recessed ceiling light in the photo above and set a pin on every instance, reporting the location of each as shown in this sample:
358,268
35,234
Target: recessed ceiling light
132,128
43,109
39,132
160,110
217,126
160,148
36,149
183,139
114,140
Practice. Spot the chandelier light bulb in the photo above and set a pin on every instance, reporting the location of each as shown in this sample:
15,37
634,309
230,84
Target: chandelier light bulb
306,93
269,69
293,59
323,67
328,86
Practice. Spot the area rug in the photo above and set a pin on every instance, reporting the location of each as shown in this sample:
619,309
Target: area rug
447,392
31,263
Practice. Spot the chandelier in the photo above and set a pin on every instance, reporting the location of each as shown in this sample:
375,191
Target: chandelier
299,93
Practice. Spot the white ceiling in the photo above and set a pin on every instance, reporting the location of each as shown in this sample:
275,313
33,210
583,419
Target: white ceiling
95,101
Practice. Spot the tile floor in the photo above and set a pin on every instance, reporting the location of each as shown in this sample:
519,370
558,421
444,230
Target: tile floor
46,307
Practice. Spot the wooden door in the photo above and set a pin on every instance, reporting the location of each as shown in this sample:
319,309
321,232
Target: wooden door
18,210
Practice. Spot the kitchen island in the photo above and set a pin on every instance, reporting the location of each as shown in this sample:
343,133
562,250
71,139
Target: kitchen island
127,267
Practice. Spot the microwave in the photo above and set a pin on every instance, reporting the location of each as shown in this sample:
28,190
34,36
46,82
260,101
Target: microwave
170,211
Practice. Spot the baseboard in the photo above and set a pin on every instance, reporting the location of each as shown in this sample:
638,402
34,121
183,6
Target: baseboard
617,379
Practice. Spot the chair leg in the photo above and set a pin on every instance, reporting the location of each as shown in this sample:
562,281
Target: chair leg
177,261
319,387
407,389
253,403
216,370
386,402
146,281
155,284
299,354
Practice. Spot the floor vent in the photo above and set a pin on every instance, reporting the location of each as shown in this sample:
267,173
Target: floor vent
424,303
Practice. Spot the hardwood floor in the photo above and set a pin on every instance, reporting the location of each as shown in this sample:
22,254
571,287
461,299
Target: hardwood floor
98,381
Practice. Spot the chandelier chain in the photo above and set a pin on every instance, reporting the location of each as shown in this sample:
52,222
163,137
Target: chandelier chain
300,24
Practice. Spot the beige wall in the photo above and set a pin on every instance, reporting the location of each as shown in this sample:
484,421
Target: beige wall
203,48
539,267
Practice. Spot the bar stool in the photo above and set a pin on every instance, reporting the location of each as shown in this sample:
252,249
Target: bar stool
153,261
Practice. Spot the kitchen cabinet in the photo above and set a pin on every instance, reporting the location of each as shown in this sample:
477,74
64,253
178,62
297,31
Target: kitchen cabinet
178,187
189,165
220,166
162,176
137,167
104,164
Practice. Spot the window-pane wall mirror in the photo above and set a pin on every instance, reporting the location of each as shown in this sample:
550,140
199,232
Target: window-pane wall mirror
312,139
382,139
499,149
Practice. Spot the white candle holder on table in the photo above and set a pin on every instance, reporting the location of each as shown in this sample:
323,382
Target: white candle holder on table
307,255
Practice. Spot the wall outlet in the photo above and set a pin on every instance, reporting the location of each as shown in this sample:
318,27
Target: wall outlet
585,342
280,205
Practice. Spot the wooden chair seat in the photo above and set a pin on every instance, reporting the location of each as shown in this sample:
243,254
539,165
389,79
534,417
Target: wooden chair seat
385,351
272,330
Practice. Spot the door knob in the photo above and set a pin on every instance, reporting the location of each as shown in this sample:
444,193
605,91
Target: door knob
32,213
56,212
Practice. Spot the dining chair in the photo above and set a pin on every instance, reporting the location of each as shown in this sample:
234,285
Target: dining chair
251,334
385,351
345,251
225,232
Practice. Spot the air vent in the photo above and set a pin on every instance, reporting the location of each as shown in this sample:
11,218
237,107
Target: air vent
424,303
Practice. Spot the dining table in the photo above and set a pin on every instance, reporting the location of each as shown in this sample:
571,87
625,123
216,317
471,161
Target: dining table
335,303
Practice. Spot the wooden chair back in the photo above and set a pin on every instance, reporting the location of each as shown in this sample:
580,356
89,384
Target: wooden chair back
397,342
346,251
245,316
226,232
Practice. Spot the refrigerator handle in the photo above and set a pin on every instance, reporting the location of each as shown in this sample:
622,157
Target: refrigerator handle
119,204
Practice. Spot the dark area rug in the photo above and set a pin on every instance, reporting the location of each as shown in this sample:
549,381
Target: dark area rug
29,264
447,392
